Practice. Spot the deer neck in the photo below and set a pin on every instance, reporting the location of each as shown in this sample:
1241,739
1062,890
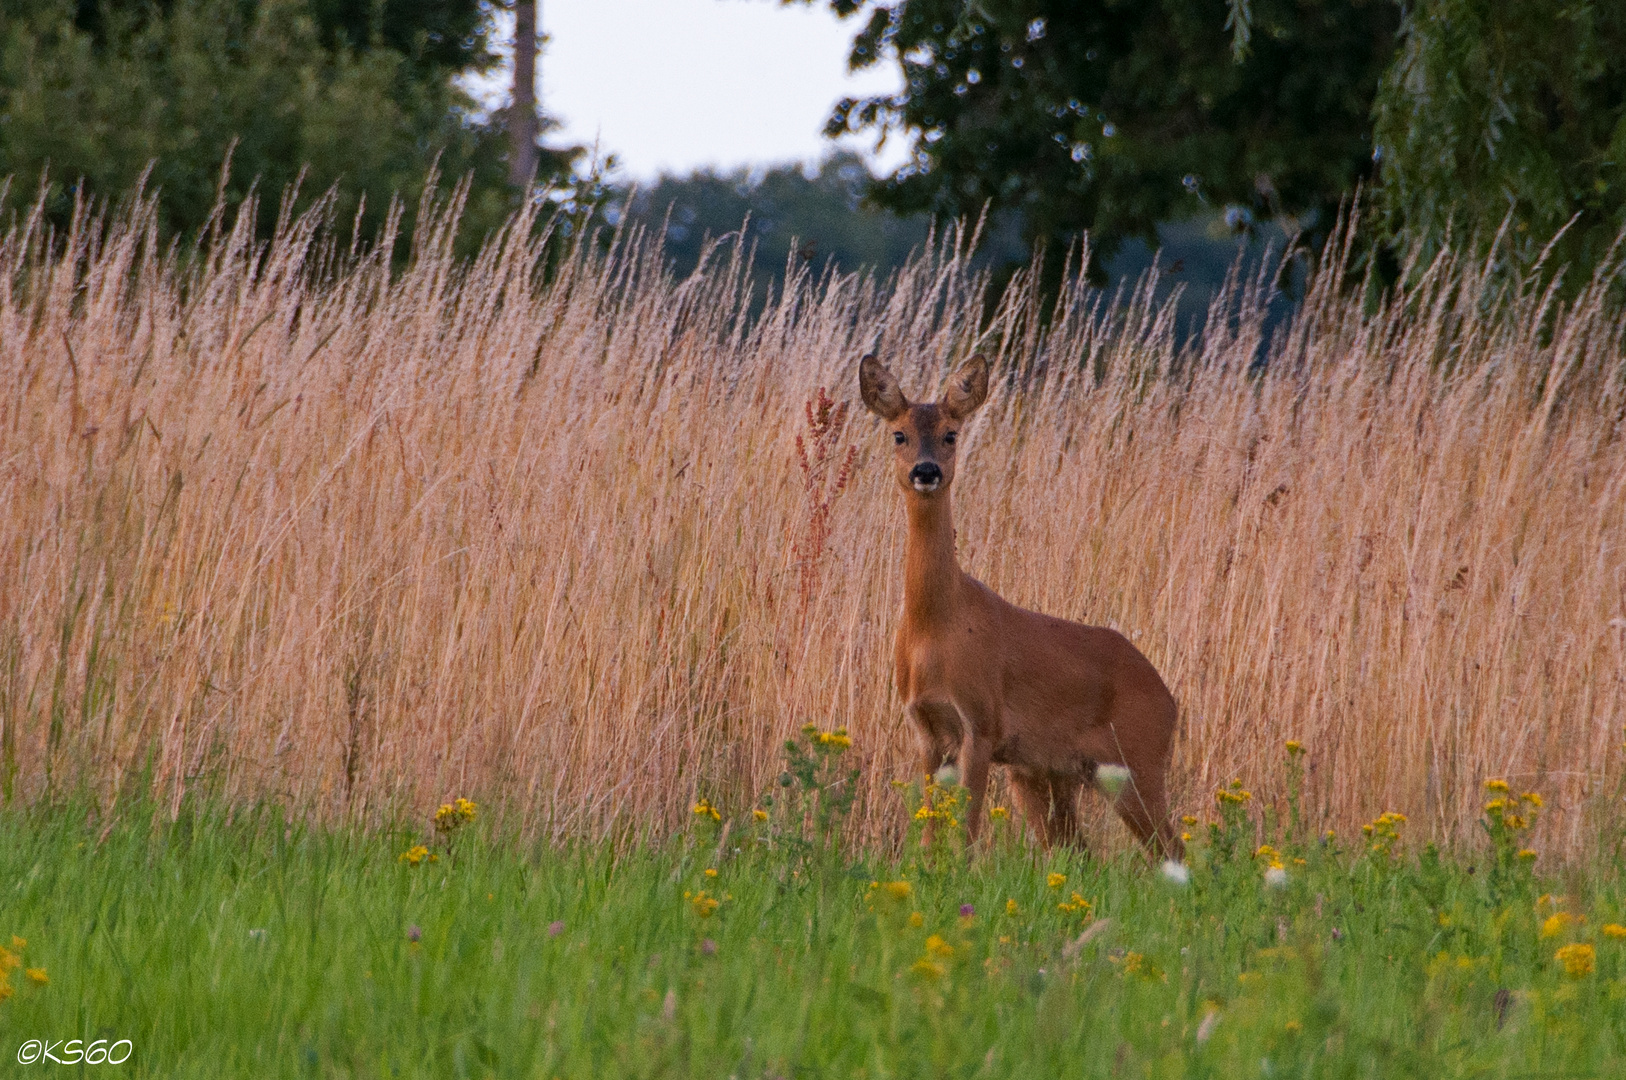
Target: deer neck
932,575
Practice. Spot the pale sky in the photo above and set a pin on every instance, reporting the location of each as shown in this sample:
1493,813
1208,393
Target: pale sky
677,84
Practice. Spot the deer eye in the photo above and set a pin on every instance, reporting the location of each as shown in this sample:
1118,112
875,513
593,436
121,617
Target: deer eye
949,438
899,437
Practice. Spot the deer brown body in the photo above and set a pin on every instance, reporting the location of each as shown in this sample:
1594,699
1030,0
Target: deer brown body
988,683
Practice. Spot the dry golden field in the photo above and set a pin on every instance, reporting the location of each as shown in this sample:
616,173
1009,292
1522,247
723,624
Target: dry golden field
280,523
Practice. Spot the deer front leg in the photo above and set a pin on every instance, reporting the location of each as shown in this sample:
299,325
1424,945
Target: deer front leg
937,727
977,754
931,724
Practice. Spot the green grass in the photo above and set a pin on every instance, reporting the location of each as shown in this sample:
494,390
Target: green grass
257,948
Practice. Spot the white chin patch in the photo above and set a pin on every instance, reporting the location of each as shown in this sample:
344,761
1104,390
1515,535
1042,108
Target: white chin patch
925,488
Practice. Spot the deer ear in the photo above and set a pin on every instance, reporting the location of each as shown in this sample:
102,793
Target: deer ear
967,389
880,390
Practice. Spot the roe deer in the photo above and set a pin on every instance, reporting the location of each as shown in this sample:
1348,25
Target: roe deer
987,682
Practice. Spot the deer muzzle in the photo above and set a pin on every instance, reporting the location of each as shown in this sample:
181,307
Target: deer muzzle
926,476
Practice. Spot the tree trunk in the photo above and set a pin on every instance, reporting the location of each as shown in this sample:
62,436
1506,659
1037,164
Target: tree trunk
522,122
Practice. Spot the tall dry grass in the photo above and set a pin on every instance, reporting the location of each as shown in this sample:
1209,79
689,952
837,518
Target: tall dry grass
282,523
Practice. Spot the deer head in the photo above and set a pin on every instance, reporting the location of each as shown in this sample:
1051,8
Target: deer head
924,437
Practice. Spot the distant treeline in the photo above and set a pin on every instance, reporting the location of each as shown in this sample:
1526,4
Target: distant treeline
820,219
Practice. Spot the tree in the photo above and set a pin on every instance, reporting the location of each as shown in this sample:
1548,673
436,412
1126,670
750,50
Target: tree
1515,112
1114,115
354,93
522,120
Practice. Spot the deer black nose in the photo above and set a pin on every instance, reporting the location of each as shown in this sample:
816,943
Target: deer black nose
926,475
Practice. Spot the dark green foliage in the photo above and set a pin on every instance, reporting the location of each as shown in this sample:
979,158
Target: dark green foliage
1498,111
1113,116
351,93
448,35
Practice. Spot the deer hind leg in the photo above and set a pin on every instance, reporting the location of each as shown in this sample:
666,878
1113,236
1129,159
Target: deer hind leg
1143,805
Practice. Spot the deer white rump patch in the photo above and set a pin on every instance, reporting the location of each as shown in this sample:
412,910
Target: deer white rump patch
1111,778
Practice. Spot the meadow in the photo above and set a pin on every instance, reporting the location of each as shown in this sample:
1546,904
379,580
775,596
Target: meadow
301,544
248,944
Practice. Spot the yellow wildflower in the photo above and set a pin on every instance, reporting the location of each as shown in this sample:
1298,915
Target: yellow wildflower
936,946
414,855
1011,908
1135,963
1055,880
1385,831
1498,786
704,906
1076,906
999,813
1577,959
1527,853
897,890
1294,746
459,811
703,808
19,943
929,969
916,919
38,976
1614,930
1533,798
1188,821
1558,922
760,814
711,872
837,738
